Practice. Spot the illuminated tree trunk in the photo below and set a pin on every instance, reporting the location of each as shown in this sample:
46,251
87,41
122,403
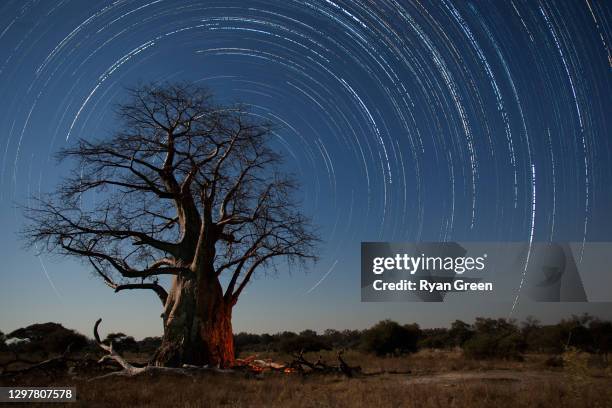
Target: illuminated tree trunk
197,325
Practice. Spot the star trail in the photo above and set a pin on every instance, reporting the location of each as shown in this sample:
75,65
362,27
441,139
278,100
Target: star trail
403,120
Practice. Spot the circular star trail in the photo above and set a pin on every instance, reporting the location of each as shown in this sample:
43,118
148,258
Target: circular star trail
404,121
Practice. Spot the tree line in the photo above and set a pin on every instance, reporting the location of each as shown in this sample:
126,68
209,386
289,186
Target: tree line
485,338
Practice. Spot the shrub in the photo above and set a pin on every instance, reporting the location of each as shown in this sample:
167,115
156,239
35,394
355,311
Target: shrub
576,362
546,339
554,361
388,337
122,342
601,335
435,339
459,333
489,346
480,347
246,341
47,338
305,343
342,339
511,346
149,345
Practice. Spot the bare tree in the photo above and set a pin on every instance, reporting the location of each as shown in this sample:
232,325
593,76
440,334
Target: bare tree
187,189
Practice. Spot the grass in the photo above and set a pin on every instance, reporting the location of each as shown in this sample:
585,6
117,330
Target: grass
452,381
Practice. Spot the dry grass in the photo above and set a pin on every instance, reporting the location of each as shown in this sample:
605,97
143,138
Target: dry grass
451,382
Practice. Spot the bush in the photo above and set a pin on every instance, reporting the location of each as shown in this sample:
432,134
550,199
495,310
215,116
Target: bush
576,332
495,338
246,341
546,339
344,339
149,345
435,339
302,342
459,333
601,334
388,337
47,338
554,361
576,362
480,347
122,342
491,346
511,346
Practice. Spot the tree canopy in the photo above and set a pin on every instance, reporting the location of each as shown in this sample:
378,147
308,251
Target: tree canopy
184,183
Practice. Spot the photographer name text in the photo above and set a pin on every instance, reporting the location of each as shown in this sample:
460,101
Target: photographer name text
423,285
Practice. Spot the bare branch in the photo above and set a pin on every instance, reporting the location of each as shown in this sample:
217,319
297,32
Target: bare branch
184,187
112,354
158,289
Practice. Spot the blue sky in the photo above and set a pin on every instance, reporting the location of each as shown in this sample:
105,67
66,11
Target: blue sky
404,121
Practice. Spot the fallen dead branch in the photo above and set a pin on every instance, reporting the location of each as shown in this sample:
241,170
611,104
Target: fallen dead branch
51,366
305,367
257,365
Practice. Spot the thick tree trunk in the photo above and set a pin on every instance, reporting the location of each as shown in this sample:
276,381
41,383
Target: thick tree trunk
197,325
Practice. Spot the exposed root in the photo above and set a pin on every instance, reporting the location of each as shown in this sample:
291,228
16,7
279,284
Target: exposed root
131,371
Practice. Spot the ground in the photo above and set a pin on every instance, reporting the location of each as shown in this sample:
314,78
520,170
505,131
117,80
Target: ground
437,379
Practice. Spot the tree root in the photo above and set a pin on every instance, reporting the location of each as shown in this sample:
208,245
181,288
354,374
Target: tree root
130,370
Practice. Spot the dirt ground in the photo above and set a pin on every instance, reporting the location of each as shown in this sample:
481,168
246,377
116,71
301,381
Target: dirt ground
436,379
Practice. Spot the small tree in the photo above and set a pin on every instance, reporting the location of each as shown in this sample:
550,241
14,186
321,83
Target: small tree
389,337
307,340
246,341
148,345
601,335
122,342
184,188
435,338
546,339
459,333
495,338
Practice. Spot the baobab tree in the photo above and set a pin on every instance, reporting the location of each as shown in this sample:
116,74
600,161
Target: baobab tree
185,188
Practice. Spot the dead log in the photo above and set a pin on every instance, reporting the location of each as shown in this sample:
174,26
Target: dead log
51,364
48,365
305,367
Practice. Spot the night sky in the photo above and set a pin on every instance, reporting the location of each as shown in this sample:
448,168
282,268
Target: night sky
404,121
